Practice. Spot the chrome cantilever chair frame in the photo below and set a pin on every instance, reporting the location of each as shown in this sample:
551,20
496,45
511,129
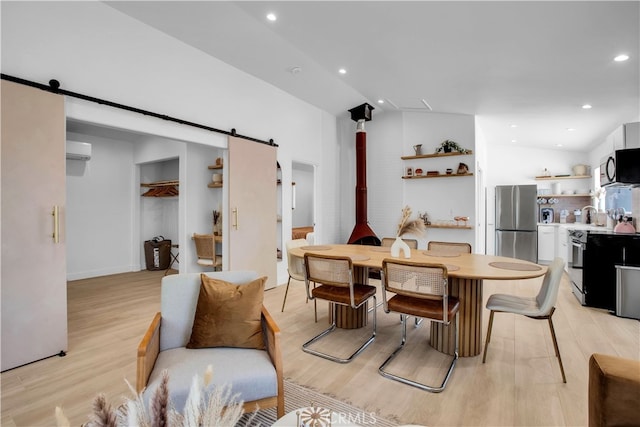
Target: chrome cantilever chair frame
540,307
406,271
335,277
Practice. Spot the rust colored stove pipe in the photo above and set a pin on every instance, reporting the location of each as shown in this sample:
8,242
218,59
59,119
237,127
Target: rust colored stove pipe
362,233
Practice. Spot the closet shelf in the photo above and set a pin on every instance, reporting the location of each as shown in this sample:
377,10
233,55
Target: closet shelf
161,189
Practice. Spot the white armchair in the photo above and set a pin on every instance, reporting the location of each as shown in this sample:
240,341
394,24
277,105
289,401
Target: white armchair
255,374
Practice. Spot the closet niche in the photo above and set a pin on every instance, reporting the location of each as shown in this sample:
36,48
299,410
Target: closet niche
159,191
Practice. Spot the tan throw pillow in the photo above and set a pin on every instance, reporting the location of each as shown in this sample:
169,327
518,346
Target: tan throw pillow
228,315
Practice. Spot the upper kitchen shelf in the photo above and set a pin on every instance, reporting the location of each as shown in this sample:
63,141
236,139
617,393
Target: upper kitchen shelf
554,177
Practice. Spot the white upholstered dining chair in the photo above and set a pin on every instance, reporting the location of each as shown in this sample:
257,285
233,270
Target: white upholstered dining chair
540,307
296,270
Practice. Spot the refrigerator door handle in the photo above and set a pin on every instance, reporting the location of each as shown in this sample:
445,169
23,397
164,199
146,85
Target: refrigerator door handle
516,211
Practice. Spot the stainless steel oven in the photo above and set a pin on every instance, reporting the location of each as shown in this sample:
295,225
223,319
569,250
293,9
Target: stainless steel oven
578,241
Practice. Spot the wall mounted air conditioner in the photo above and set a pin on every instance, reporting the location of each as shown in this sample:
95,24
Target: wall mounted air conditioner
78,150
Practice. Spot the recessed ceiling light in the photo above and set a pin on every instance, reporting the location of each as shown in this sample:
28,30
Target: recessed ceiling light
570,129
586,106
514,140
558,145
514,126
621,58
380,101
342,71
271,17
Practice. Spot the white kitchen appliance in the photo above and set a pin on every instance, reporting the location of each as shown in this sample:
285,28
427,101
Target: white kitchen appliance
563,216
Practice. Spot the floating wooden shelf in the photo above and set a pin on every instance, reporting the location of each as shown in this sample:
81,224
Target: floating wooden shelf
428,156
161,189
546,196
214,185
453,175
215,166
551,178
462,227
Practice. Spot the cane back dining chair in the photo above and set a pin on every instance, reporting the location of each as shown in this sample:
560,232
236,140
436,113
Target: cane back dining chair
421,290
540,307
388,241
455,247
206,251
334,275
296,270
374,273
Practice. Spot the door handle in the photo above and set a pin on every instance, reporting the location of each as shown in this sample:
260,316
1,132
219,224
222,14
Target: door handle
235,218
56,224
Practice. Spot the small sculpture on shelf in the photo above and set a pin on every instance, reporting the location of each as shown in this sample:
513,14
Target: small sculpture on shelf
425,218
448,146
462,169
462,219
217,223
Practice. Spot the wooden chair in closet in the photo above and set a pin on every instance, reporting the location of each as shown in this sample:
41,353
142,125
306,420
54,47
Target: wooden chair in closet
206,251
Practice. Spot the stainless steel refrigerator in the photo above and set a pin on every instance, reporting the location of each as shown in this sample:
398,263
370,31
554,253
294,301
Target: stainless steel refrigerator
516,222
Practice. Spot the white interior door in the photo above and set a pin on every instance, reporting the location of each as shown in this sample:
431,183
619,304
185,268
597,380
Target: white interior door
34,287
252,208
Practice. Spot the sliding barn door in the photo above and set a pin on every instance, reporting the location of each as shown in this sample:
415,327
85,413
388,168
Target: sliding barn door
34,285
252,208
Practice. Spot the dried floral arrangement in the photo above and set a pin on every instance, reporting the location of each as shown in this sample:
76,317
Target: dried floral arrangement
205,406
409,226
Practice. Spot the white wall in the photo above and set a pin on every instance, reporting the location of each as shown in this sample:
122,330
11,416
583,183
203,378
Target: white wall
390,136
93,49
99,211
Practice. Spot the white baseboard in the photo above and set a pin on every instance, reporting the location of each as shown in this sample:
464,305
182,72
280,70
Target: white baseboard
101,272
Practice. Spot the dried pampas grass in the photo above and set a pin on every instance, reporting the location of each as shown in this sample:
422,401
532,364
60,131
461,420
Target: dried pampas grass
409,226
206,406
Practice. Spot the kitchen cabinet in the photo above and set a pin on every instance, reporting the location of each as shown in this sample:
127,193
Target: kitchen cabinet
603,252
547,242
563,245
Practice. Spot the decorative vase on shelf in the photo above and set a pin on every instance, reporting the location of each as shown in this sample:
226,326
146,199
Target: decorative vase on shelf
399,245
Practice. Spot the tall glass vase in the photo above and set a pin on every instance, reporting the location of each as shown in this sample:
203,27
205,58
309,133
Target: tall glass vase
400,245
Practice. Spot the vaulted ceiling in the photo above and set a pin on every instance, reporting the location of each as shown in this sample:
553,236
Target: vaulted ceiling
525,69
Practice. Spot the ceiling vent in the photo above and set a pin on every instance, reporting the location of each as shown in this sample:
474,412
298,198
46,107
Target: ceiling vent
410,104
78,150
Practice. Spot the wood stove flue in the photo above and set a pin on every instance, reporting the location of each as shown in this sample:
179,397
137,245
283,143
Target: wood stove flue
362,234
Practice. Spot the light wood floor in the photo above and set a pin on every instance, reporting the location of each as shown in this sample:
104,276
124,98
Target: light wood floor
520,385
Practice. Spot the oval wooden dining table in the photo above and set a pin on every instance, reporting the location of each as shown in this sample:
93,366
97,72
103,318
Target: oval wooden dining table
466,274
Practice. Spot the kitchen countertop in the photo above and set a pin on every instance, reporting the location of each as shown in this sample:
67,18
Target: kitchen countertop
588,227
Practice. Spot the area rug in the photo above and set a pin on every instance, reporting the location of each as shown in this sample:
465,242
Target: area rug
297,396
